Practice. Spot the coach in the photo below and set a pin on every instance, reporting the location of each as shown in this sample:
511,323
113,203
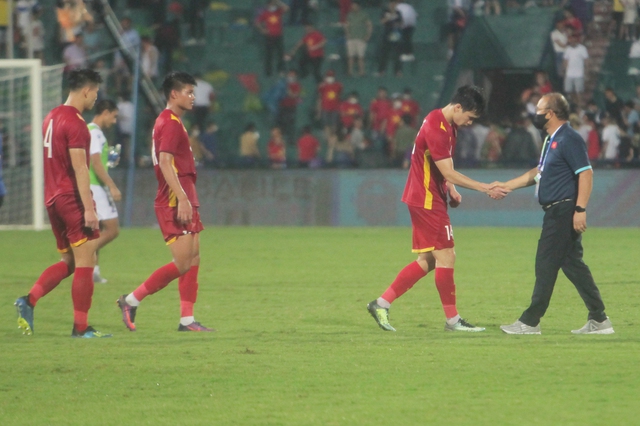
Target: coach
565,179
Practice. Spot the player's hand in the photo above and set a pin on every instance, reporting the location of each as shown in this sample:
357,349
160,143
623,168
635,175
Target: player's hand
497,190
454,198
115,193
185,211
91,219
580,222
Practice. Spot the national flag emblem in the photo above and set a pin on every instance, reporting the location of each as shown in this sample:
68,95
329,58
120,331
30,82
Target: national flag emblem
554,145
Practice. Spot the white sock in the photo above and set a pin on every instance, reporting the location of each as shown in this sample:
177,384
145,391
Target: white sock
96,269
452,321
186,320
131,300
383,303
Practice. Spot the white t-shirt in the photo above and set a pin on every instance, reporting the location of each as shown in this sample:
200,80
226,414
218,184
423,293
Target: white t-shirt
575,57
203,92
611,137
559,39
408,13
97,140
75,56
125,117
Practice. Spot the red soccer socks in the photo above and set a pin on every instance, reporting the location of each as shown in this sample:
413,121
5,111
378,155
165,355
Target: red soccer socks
48,280
188,288
447,289
81,293
410,275
157,281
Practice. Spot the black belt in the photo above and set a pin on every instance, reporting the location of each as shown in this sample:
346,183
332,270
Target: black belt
546,207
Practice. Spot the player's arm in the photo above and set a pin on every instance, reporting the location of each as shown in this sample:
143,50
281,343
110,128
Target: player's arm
454,196
103,176
585,185
79,163
456,178
185,211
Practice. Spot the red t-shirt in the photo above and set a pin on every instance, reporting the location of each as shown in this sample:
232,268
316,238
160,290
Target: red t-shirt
272,21
393,121
293,95
349,112
380,109
436,140
63,128
276,151
593,145
170,136
313,39
411,107
308,147
330,96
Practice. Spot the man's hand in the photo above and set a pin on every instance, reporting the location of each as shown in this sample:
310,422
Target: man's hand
454,198
91,219
115,193
185,211
497,190
580,222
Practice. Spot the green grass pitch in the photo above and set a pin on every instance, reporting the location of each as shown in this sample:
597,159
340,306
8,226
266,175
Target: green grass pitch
295,345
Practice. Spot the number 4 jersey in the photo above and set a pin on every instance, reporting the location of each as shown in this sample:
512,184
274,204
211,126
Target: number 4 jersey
63,129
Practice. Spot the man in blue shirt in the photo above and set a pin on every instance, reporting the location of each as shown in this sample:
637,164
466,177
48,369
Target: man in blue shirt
565,178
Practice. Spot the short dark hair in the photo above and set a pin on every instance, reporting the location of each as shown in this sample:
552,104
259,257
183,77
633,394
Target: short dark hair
557,103
470,98
105,105
82,77
176,81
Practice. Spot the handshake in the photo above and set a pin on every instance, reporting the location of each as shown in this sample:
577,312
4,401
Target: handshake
496,190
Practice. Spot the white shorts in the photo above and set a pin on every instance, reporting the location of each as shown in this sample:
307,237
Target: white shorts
356,48
573,84
105,206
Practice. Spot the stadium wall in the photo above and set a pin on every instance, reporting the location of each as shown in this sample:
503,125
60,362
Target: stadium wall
371,198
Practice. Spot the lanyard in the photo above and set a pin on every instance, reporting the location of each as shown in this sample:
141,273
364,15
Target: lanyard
545,150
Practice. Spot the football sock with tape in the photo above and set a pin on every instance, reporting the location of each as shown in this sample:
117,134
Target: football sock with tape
81,293
188,288
49,279
447,290
410,275
157,281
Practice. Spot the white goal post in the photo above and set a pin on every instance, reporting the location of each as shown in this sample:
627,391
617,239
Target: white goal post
28,91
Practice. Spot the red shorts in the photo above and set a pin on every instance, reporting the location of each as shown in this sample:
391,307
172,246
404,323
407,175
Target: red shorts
66,216
171,228
431,229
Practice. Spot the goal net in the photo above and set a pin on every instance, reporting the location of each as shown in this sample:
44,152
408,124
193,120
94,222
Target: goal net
28,92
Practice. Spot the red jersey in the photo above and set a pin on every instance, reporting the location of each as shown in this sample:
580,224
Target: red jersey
411,107
436,140
330,96
272,21
393,121
380,109
313,39
276,151
308,147
63,128
292,97
170,136
349,112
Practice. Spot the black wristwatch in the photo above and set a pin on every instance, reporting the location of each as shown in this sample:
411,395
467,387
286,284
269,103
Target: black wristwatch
580,209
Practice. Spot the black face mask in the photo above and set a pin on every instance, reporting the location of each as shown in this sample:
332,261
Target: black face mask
539,121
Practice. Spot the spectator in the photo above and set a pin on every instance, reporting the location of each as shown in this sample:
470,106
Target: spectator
391,124
617,14
350,109
131,42
200,152
410,106
269,22
37,34
491,150
613,105
630,14
534,132
519,148
407,28
379,110
492,6
92,39
391,39
209,140
197,25
340,151
358,29
576,124
572,22
74,55
542,83
593,139
299,12
204,96
345,7
403,142
168,36
23,10
592,108
249,152
100,66
328,105
308,147
531,105
71,15
480,131
149,58
313,54
631,118
559,41
610,138
124,129
454,28
277,150
575,56
356,135
286,118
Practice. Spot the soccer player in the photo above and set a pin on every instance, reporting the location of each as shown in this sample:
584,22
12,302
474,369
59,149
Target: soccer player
104,190
69,204
431,183
176,206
